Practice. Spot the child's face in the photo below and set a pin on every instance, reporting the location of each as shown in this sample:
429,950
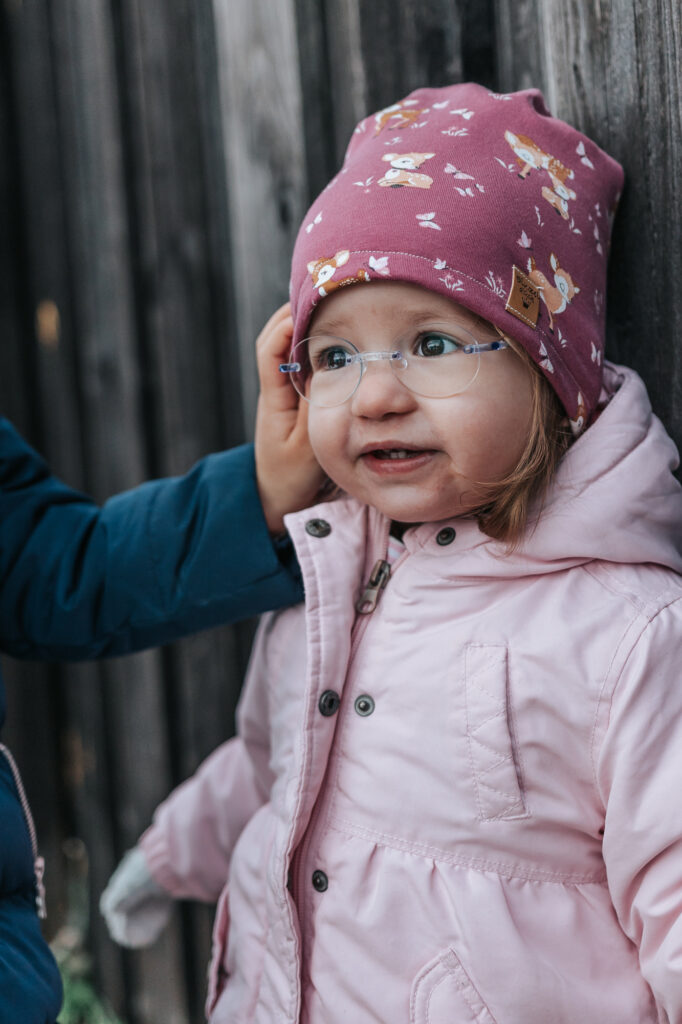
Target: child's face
449,444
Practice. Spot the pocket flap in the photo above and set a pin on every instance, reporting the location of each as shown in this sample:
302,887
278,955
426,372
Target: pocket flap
443,993
496,772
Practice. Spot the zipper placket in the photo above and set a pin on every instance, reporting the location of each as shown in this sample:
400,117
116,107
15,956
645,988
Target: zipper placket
38,862
378,579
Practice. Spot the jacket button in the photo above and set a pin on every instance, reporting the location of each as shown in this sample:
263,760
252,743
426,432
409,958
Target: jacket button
329,703
364,705
320,881
318,528
446,536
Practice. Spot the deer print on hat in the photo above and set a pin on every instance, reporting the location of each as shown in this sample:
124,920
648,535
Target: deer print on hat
403,171
530,157
323,271
398,115
555,297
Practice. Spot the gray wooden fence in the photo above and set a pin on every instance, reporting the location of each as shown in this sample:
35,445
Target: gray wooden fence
156,157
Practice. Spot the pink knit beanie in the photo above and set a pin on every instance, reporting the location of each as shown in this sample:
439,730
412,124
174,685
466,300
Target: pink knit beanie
488,200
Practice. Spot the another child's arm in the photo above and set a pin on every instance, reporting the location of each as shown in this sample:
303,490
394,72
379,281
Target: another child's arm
167,558
639,771
288,474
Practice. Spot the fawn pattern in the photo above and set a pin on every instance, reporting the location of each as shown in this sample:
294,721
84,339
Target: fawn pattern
557,288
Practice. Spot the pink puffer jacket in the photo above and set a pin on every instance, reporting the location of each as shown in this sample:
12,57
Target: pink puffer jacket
466,805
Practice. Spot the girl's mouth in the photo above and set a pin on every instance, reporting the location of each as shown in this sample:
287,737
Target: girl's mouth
395,453
397,460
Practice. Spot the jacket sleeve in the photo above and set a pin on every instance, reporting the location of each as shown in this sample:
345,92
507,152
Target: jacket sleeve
640,775
189,845
165,559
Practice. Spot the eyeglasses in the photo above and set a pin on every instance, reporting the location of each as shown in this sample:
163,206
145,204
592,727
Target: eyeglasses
435,363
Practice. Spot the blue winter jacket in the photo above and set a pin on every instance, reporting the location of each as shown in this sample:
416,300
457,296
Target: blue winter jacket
82,581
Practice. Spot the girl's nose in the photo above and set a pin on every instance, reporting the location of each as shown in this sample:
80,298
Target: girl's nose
380,393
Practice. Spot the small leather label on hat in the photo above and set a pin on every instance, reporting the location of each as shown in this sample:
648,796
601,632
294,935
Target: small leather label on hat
524,299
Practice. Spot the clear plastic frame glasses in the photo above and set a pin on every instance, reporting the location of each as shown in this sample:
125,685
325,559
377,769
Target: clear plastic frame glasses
433,363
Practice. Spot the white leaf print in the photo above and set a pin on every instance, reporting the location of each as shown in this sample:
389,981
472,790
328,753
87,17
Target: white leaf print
454,132
480,187
583,158
524,241
595,354
463,112
450,282
512,168
495,284
316,220
440,264
380,265
541,222
439,106
451,169
545,361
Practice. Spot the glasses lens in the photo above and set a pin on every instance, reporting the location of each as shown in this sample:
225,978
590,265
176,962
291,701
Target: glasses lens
439,363
328,372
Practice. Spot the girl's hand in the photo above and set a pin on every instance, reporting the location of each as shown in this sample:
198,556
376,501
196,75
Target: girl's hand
288,474
134,906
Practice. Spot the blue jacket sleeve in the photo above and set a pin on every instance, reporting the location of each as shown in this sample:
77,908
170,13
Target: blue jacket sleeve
170,557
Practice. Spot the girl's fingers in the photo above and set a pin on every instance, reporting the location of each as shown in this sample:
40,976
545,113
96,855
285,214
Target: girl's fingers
272,348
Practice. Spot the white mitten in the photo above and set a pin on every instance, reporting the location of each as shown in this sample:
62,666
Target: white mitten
134,906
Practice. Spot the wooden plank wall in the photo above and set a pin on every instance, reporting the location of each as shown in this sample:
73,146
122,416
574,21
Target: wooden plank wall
156,158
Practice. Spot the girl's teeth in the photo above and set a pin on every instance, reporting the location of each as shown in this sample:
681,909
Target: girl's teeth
395,453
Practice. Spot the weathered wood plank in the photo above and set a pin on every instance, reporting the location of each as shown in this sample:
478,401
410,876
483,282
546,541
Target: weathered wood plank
380,51
265,165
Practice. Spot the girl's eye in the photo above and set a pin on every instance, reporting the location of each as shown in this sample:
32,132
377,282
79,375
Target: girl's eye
436,344
333,358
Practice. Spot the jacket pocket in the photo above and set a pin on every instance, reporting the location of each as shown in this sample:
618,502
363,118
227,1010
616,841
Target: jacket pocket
442,993
217,970
497,774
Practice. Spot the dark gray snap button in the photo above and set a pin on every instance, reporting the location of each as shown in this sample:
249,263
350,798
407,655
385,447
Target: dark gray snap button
320,881
329,703
446,536
318,528
364,705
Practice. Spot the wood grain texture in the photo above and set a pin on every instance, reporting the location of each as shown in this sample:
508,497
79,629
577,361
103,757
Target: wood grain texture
265,164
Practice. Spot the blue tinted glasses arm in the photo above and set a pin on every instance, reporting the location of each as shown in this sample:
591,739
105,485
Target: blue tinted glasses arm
487,346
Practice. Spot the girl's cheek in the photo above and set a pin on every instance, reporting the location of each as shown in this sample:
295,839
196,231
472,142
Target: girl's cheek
324,435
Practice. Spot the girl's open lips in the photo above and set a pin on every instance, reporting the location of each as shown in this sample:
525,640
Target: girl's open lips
396,460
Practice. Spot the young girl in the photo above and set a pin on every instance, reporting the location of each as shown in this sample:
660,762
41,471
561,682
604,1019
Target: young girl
454,795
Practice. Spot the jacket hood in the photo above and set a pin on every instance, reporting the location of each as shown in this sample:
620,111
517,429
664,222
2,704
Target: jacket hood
614,499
